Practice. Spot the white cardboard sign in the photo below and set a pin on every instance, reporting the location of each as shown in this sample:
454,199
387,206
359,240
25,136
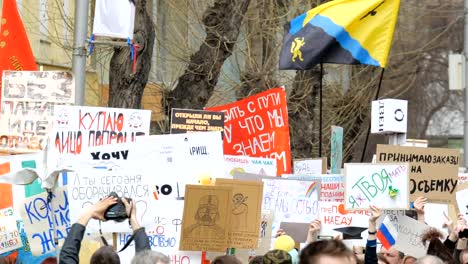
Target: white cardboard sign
389,116
244,164
384,185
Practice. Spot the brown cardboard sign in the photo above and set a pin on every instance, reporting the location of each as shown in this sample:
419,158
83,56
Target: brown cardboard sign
246,212
298,231
206,219
433,171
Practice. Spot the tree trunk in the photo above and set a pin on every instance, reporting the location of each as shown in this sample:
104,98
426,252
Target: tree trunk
301,106
125,87
222,24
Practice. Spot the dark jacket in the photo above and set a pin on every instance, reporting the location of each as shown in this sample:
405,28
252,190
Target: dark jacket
370,257
71,247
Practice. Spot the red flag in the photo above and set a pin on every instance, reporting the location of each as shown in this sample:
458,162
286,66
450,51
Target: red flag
15,50
16,55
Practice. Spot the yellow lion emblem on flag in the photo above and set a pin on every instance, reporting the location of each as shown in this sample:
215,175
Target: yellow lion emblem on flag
296,46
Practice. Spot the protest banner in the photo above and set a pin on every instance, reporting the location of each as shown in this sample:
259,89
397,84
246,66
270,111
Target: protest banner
260,166
291,200
462,200
9,236
171,161
331,187
246,211
409,236
23,254
385,185
207,218
334,215
310,166
189,120
87,187
433,171
336,149
389,116
164,236
28,102
435,215
39,220
77,128
257,126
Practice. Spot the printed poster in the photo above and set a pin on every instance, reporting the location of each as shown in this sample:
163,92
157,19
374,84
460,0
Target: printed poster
28,102
258,126
188,120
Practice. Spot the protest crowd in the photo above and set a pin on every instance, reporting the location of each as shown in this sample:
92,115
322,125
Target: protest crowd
82,184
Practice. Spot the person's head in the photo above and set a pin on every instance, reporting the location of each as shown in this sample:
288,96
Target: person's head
256,260
105,255
49,260
226,260
429,260
464,256
392,255
409,260
277,256
327,251
150,257
207,212
436,247
381,259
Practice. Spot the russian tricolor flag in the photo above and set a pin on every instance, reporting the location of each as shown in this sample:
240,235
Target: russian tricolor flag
387,233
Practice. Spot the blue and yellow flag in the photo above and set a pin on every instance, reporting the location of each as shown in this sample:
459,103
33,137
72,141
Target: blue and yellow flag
340,31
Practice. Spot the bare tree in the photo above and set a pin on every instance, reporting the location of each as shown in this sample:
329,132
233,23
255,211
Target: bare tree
125,86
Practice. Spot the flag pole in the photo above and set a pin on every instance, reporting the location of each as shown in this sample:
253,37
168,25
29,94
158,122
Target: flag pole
79,49
320,110
369,129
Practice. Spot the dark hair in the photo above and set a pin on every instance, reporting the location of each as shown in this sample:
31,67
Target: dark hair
436,247
332,248
226,259
105,255
256,260
49,260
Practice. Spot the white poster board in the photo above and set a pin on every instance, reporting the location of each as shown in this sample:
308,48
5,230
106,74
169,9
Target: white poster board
78,128
291,200
87,187
171,161
244,164
310,166
389,116
9,235
38,220
114,18
164,236
462,202
334,215
409,236
331,187
28,102
384,185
